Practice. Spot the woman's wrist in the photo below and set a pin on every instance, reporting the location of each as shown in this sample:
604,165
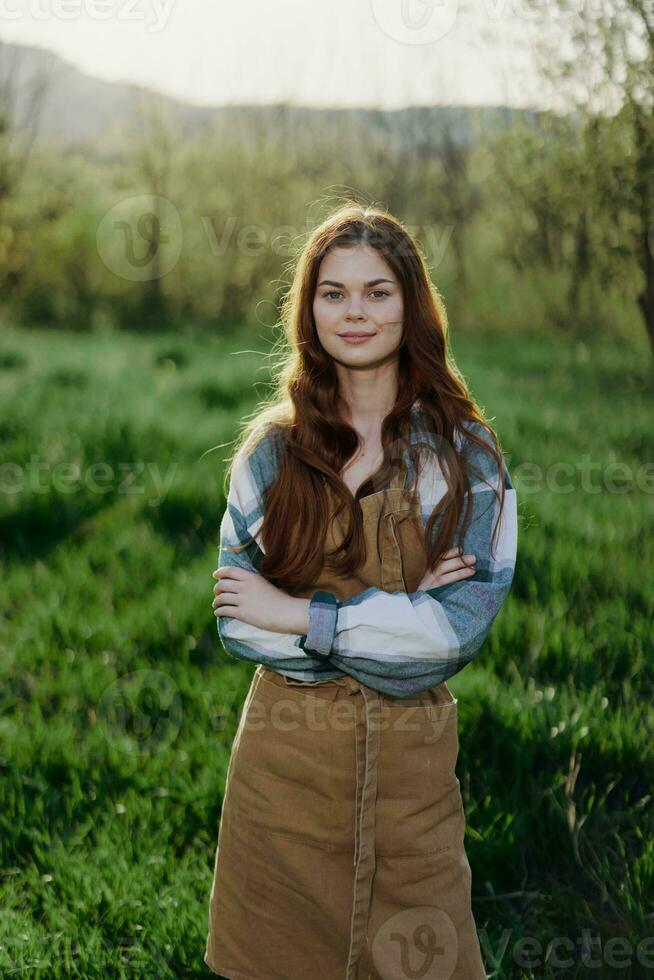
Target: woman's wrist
295,616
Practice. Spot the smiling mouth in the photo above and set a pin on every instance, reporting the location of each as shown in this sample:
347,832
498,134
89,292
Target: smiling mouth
355,335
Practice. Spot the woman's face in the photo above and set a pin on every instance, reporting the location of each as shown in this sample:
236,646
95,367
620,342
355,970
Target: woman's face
358,293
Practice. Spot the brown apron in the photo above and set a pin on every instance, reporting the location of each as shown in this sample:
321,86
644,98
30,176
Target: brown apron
341,843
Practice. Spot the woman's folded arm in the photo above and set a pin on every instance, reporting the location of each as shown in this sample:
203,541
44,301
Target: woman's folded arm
403,643
242,517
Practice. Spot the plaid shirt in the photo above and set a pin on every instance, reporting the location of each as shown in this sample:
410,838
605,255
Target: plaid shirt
395,642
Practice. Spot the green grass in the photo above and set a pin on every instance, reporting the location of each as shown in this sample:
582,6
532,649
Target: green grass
119,706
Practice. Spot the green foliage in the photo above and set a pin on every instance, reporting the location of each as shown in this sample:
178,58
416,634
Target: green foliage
524,219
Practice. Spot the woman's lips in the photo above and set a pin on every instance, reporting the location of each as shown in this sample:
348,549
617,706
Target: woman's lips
356,338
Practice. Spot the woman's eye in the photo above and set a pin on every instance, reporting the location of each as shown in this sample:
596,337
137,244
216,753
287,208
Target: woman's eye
334,293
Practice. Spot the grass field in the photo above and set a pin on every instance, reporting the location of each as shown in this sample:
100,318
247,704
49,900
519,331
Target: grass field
119,706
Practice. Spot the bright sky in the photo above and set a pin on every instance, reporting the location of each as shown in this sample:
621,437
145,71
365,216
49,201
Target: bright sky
388,53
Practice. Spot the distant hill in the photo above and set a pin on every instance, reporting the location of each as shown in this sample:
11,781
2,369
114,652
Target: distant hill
77,108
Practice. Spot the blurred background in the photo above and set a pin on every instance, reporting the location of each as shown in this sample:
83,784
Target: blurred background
161,164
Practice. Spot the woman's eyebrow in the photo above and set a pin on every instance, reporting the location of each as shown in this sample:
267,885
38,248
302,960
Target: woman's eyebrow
372,282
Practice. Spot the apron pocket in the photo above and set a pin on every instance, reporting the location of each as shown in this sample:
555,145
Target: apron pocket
421,736
291,807
419,806
293,766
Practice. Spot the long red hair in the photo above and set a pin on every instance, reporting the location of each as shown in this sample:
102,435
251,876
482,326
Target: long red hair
305,410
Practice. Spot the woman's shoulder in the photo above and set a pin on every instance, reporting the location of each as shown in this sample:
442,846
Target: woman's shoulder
423,433
482,431
261,454
473,440
479,459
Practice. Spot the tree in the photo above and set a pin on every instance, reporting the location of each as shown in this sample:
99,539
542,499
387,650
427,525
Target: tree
602,61
21,105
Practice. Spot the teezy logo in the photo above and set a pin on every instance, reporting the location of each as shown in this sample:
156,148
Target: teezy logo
416,21
140,238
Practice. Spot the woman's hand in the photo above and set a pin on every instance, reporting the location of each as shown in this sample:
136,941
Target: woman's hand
452,567
250,597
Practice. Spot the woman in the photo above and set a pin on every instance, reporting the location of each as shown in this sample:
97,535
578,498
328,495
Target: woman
368,544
